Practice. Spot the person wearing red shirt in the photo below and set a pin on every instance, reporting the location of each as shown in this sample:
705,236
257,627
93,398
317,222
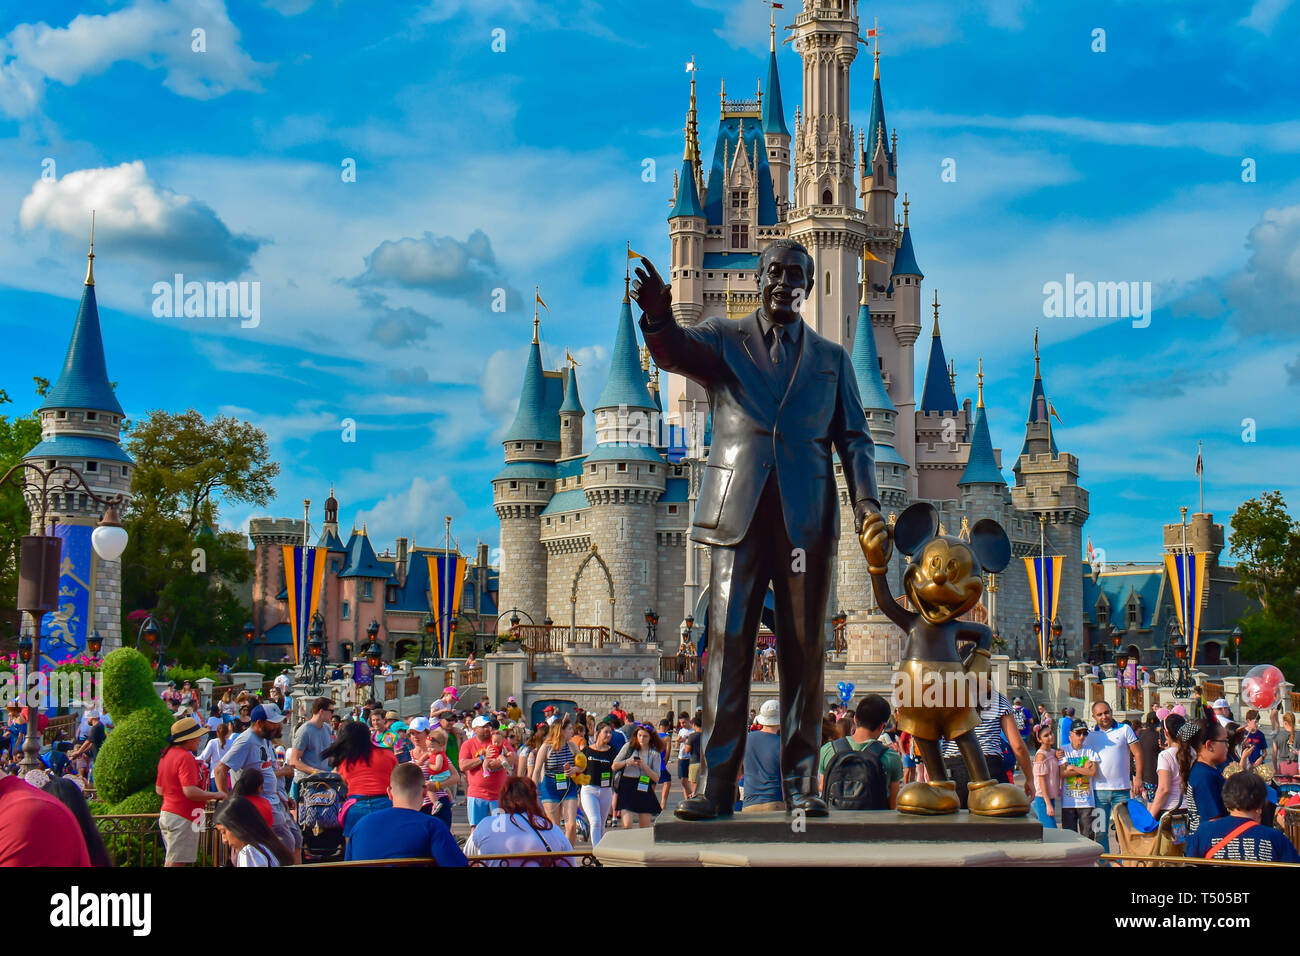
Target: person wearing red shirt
365,769
182,783
36,829
483,774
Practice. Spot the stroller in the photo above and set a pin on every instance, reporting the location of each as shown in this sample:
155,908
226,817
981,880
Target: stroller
320,797
1137,837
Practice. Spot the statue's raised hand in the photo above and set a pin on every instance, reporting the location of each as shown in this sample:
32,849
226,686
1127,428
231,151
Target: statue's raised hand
652,294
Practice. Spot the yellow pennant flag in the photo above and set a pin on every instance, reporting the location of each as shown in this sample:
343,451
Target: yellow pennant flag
866,254
541,303
633,254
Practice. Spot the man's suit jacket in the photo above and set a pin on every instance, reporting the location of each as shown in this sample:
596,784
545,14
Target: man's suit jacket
758,429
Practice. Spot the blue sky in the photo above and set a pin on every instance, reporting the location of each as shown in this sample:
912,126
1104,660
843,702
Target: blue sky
479,170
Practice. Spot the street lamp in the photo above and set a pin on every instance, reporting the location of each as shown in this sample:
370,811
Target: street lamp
1168,661
1180,654
1236,640
372,632
150,634
429,634
651,621
315,670
94,643
25,648
249,633
1057,647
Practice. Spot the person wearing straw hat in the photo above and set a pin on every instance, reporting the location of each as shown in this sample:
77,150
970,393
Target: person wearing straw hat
182,783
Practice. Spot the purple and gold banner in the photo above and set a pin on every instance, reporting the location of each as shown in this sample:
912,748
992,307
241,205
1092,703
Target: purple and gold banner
1045,585
1187,579
446,582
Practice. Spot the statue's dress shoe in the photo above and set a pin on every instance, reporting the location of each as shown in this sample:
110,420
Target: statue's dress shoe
702,807
809,803
989,798
933,799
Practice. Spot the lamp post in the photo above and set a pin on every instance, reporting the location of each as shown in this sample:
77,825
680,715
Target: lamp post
40,558
651,622
150,634
1180,654
94,643
1169,662
1236,641
249,633
1058,646
1038,639
429,634
372,632
316,655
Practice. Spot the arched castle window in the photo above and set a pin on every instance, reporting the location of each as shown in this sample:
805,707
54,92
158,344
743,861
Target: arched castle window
826,197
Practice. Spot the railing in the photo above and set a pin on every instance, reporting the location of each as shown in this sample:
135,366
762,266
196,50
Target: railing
1076,688
542,639
554,858
1131,698
468,676
135,839
411,687
1018,677
67,723
679,670
1295,701
1213,690
1098,694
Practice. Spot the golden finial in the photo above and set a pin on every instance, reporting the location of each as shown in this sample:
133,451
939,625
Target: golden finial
537,301
952,374
875,32
936,311
364,534
1037,373
570,359
331,489
898,233
536,323
645,359
906,203
90,256
865,278
771,26
722,96
943,532
979,376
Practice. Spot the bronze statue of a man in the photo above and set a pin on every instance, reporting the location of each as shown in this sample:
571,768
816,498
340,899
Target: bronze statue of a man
782,397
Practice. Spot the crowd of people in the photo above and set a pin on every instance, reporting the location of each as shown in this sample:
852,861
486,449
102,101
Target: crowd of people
553,788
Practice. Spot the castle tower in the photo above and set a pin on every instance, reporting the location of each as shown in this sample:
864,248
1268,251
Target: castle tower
776,138
1047,486
81,425
329,536
686,227
898,351
623,478
941,426
571,414
824,214
879,184
269,536
983,489
525,485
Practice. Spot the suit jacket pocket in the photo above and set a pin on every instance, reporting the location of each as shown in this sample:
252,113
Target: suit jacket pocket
713,492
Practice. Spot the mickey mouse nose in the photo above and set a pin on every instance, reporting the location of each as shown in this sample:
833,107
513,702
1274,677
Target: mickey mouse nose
940,578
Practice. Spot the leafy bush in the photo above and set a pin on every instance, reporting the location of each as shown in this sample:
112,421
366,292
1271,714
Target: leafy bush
191,674
128,760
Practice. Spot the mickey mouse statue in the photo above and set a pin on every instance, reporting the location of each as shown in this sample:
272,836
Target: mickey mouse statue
943,582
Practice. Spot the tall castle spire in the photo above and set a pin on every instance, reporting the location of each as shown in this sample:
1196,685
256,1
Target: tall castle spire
938,395
982,466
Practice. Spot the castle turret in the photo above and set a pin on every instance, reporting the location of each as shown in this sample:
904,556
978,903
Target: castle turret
1047,486
776,137
686,227
571,414
824,213
941,426
879,182
623,477
81,423
525,485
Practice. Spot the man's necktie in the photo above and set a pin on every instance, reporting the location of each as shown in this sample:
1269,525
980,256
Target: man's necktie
774,347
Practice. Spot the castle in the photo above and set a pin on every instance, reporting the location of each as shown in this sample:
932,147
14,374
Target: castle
603,537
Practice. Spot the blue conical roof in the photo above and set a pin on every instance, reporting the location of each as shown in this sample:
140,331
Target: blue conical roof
528,424
877,127
773,112
83,383
361,561
627,383
981,467
687,202
572,402
1037,413
905,259
938,395
866,365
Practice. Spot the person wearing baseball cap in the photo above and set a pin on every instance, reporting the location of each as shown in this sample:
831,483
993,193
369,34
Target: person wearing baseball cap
1222,712
548,712
483,779
182,781
254,752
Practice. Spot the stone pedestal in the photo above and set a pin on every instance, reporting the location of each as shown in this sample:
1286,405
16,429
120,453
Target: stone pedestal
847,839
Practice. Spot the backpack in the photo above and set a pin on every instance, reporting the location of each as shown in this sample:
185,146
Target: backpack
320,798
856,779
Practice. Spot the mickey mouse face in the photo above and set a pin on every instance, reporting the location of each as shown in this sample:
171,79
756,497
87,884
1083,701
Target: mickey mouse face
943,580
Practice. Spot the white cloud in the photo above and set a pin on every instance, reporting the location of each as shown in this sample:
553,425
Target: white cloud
416,510
152,33
136,216
1264,15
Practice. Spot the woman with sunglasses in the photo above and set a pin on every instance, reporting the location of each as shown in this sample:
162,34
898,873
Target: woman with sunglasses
1200,763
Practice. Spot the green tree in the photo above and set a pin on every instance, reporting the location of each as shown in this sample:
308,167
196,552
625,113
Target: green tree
1266,540
177,564
19,434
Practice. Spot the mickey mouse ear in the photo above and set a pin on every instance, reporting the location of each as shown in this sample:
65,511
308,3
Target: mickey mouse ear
915,526
991,545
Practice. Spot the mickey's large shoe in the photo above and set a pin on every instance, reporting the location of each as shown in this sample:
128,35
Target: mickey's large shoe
931,799
987,798
804,798
703,807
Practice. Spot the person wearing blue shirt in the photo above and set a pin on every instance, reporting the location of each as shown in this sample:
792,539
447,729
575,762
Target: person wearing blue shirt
1240,835
402,831
1209,742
